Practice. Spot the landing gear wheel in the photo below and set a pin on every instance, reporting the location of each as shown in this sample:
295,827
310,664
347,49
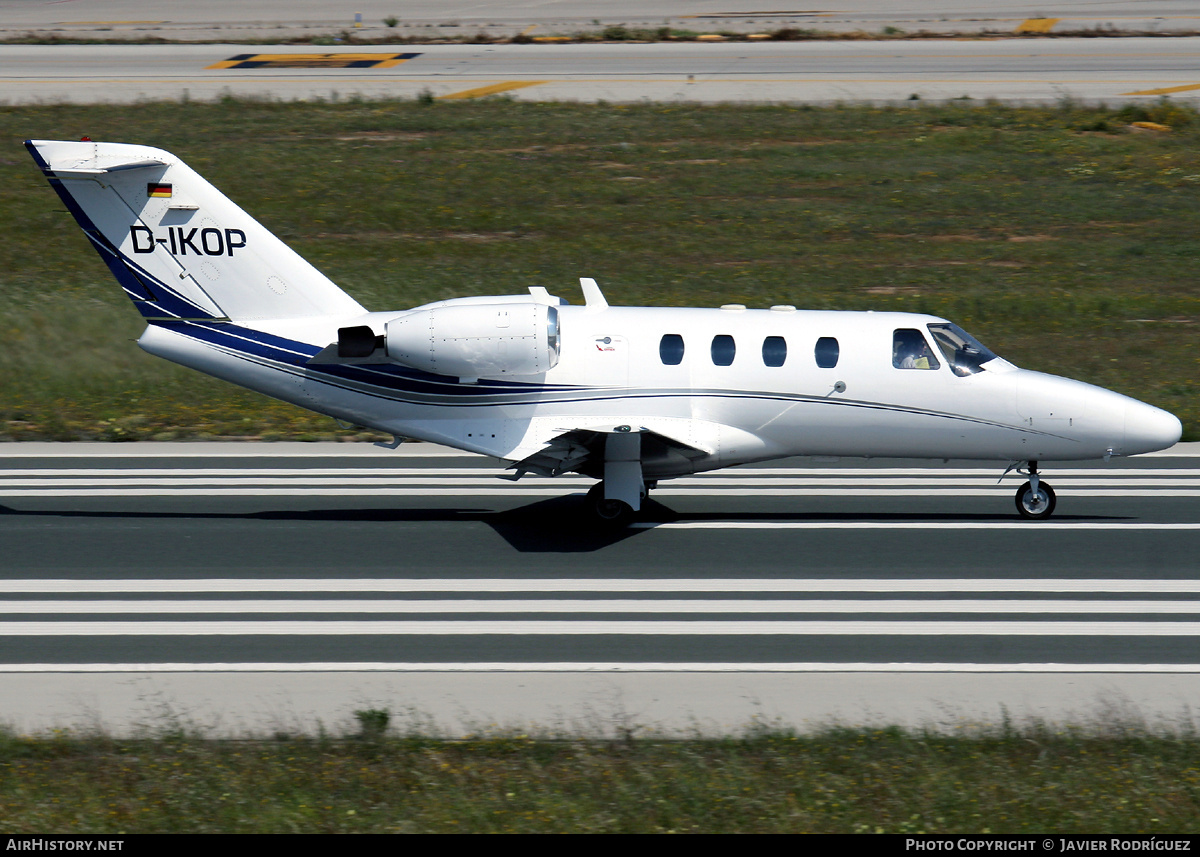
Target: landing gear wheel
1035,506
611,514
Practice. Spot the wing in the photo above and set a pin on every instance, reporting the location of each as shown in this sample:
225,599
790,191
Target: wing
582,450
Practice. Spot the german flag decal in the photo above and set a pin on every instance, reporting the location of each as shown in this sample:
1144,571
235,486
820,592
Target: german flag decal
158,189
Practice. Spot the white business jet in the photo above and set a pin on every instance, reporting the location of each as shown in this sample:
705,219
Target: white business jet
626,395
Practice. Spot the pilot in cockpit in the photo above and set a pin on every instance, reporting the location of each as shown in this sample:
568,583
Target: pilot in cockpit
911,351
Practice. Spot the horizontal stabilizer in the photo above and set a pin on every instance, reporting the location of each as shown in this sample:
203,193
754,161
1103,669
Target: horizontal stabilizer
64,172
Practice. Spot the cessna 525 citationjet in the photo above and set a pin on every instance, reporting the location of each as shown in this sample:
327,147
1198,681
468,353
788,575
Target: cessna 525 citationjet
626,395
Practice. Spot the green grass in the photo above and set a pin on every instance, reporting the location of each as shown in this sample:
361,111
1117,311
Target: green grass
835,781
1061,237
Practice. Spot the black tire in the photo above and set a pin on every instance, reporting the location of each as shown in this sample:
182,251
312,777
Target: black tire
610,514
1035,508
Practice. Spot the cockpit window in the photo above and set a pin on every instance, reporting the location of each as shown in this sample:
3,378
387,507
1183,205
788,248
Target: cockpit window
965,354
911,351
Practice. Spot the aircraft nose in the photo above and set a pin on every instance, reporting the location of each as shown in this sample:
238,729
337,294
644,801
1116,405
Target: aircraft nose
1149,429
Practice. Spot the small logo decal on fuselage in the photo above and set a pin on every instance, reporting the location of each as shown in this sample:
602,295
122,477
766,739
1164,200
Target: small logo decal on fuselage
207,241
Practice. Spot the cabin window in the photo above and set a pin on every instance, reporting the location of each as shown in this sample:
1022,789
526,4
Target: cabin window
965,354
911,351
670,349
774,350
827,352
723,350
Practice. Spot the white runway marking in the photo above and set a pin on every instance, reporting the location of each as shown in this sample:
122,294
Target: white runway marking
911,525
471,585
424,483
561,486
698,628
601,667
736,475
639,605
426,492
539,617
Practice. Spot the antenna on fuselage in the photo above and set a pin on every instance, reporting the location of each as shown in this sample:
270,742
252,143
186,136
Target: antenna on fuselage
592,296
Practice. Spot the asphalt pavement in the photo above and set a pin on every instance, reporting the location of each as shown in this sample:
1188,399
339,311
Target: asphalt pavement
419,576
1042,71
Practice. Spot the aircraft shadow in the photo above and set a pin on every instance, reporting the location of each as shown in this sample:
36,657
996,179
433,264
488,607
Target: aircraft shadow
553,525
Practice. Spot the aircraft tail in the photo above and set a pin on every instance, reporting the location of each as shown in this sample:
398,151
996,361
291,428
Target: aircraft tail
179,247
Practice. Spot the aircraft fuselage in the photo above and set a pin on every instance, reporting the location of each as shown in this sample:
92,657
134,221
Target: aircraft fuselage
612,369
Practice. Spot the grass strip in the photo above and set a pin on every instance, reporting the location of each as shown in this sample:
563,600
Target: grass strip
430,34
1064,237
1028,780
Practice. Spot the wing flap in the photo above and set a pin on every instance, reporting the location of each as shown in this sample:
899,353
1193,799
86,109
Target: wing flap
581,450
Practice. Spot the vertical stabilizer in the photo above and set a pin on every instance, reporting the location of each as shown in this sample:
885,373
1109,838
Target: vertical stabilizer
179,247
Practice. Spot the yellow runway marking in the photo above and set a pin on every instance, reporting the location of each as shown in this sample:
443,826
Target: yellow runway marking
481,91
313,61
1037,25
1166,90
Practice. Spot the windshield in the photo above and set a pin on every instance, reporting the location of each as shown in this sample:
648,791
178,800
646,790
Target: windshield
965,354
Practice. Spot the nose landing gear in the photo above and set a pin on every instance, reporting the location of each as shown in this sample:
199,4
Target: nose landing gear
1035,499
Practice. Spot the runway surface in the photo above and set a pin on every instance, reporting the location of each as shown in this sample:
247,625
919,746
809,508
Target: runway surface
204,19
1040,71
213,578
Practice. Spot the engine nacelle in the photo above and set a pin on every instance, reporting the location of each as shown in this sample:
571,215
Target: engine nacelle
476,340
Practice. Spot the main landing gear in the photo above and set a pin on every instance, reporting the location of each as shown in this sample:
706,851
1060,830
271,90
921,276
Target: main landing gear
1035,499
611,513
617,497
